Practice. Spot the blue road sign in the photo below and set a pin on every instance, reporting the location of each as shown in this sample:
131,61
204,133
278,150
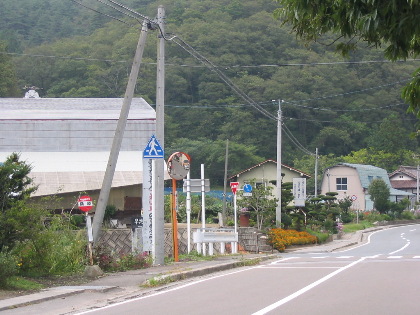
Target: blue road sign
247,188
153,149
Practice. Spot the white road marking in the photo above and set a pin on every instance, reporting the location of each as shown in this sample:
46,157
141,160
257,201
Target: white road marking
394,257
305,289
297,267
402,248
416,257
344,257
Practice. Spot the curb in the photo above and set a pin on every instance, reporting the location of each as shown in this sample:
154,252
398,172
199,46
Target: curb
172,277
46,295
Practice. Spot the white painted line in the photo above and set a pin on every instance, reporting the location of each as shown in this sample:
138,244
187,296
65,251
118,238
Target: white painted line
416,257
281,260
297,267
319,257
344,257
402,248
394,257
165,291
305,289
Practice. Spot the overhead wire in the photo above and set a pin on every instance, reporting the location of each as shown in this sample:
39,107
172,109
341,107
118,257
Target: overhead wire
97,11
207,63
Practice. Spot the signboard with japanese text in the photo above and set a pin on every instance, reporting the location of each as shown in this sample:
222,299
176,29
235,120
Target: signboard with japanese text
299,191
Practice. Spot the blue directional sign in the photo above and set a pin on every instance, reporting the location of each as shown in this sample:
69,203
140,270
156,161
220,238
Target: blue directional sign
247,188
153,149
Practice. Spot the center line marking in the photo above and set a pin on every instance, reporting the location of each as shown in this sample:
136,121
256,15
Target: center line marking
305,289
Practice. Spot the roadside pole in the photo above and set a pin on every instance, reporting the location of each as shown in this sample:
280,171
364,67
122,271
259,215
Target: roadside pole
119,133
188,206
160,134
278,179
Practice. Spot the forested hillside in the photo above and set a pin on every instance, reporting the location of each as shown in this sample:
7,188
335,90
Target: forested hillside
350,109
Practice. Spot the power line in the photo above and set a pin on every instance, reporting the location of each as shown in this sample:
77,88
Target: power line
107,15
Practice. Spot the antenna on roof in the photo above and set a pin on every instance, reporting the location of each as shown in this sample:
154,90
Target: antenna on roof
31,91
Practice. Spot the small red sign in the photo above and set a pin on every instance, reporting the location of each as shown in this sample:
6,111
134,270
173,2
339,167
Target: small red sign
85,203
234,186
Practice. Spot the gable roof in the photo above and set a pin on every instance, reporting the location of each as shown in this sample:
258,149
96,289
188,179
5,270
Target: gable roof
410,171
368,172
271,161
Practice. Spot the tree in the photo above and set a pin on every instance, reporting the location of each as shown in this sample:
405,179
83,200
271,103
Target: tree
15,184
8,81
261,202
17,220
392,24
379,194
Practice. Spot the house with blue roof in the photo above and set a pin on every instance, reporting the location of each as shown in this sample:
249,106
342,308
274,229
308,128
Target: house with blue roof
353,180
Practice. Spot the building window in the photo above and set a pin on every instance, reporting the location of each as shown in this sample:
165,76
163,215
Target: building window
341,183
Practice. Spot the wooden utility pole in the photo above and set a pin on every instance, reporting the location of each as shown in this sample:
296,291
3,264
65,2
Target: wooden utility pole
119,133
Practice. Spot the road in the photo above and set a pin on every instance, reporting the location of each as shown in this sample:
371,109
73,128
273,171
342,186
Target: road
381,276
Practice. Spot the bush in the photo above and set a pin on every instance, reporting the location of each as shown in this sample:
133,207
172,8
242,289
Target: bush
407,215
280,238
321,236
55,251
8,267
110,261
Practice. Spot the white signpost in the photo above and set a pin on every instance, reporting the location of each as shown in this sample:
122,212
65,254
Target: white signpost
234,186
152,151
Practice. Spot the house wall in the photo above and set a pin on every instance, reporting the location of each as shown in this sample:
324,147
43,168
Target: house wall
354,187
265,173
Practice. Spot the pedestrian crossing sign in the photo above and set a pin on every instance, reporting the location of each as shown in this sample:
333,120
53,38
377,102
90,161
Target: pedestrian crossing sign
153,149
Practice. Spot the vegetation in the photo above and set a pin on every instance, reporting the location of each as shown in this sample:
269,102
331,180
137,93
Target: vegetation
392,25
344,109
261,204
280,238
379,194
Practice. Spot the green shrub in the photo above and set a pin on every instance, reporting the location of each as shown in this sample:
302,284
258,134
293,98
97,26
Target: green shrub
55,251
322,237
407,215
110,261
8,267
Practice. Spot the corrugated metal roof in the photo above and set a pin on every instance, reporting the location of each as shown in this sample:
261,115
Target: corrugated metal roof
50,183
72,108
63,172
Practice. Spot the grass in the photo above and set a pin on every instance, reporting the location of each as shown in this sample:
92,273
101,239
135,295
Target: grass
353,227
18,283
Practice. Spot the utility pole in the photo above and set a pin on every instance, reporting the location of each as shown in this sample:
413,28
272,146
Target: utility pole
119,133
278,182
159,214
225,183
418,170
316,172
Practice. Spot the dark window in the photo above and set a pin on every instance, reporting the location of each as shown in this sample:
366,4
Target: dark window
341,183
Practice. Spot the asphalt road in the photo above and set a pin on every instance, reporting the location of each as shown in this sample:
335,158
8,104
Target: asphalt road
379,277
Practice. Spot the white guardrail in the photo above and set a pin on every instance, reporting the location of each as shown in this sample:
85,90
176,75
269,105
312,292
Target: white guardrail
211,235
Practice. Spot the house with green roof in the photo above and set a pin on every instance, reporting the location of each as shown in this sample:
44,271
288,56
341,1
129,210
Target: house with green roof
353,180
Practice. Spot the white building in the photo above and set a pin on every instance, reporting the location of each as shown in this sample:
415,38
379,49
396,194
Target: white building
68,140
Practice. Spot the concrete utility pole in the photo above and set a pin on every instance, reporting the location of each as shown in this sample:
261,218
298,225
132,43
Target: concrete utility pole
278,182
225,183
159,214
316,172
119,133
